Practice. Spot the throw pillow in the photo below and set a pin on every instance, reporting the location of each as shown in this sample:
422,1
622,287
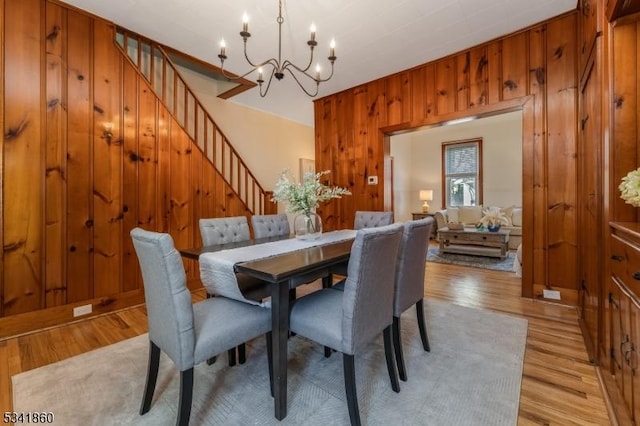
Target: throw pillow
508,214
516,217
470,214
452,214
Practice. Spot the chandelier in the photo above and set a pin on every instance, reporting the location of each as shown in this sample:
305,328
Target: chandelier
278,66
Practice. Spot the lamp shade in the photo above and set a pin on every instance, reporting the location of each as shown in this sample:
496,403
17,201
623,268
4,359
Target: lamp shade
426,195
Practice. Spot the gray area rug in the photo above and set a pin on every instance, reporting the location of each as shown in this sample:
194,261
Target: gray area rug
494,263
471,377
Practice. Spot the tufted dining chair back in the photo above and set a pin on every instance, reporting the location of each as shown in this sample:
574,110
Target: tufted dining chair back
270,225
222,230
366,219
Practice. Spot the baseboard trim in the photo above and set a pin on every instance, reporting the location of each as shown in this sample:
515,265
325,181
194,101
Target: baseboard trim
31,322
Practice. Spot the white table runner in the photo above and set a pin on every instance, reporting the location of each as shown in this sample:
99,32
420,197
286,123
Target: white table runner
217,268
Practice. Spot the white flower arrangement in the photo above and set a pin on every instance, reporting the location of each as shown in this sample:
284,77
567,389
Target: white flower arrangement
630,188
307,195
493,217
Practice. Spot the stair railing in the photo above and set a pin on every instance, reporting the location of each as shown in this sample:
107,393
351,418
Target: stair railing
157,68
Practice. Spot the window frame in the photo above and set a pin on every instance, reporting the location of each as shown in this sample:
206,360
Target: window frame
478,175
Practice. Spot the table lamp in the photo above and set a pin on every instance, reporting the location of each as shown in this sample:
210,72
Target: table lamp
426,195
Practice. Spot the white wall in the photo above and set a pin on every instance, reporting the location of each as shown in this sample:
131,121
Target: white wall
404,197
268,144
417,162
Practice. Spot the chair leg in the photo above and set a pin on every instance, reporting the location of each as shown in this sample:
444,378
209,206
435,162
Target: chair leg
152,375
397,346
269,337
422,326
232,356
350,388
388,354
186,394
242,353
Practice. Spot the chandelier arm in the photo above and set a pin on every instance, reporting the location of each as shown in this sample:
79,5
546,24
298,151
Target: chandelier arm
271,62
274,61
304,72
322,80
230,77
262,95
304,89
287,62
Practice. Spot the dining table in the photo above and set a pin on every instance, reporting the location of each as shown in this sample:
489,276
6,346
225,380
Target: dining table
282,263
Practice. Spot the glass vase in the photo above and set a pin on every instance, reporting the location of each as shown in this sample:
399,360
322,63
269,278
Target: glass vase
307,226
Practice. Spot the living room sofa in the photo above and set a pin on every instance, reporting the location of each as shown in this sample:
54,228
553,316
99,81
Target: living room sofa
470,215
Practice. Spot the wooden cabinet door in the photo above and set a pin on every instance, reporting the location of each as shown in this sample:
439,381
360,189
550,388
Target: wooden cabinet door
616,335
626,350
633,358
621,343
623,321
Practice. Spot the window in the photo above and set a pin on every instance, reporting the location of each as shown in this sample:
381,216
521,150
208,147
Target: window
462,172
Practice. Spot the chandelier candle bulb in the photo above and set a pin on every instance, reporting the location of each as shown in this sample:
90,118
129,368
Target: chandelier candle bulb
245,23
223,48
332,50
313,32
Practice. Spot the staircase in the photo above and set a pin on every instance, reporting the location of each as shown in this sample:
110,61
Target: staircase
157,68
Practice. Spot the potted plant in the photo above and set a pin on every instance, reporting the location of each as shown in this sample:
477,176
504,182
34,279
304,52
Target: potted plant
493,218
303,198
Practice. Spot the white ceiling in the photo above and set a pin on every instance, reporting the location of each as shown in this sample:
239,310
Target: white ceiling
374,38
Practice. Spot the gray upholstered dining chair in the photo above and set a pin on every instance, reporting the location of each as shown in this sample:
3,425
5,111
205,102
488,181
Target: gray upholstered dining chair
270,225
188,333
233,229
348,320
366,219
409,288
222,230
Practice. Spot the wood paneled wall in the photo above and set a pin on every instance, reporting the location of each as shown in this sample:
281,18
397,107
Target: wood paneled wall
534,70
625,129
89,152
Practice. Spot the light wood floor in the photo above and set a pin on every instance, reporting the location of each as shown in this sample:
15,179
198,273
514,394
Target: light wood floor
559,385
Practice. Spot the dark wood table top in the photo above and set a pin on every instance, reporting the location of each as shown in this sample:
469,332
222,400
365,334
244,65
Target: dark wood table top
284,266
195,252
